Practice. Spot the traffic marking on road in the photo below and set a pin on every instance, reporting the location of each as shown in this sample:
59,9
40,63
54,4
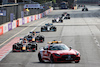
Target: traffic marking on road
19,32
7,48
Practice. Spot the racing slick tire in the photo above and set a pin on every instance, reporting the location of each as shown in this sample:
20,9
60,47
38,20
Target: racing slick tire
61,20
33,46
36,47
54,28
82,9
39,57
68,17
76,61
86,9
51,59
53,21
41,30
68,14
62,15
14,47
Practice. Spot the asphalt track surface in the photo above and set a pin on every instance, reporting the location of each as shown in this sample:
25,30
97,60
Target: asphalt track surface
82,32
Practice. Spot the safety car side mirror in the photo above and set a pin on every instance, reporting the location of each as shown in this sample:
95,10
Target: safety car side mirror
70,48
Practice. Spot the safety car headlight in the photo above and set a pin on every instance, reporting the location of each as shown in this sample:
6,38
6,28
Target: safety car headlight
77,53
57,55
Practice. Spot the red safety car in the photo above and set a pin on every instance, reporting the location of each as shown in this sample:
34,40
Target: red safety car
56,51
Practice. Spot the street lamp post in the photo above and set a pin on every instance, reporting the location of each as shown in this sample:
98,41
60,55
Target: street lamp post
15,1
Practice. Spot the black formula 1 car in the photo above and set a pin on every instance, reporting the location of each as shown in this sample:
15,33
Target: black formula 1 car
57,20
65,16
38,38
84,9
23,46
48,27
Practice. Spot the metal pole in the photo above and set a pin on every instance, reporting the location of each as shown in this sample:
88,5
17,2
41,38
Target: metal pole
30,1
23,1
15,1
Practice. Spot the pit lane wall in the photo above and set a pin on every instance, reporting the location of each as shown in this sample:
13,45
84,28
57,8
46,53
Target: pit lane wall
11,25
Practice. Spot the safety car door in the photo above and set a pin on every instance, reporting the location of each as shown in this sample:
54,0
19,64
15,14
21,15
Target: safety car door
45,52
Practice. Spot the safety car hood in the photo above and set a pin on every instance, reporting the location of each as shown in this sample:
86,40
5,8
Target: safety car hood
64,52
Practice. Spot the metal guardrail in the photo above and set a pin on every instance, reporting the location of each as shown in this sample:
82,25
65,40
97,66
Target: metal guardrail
16,9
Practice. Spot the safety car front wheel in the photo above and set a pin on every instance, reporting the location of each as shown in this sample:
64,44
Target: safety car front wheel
39,57
76,61
51,59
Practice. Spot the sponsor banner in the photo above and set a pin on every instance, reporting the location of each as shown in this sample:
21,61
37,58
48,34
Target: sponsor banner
10,26
17,23
31,18
14,24
44,13
38,16
49,10
2,12
20,22
5,28
1,30
23,21
32,6
27,19
34,17
41,15
11,17
22,14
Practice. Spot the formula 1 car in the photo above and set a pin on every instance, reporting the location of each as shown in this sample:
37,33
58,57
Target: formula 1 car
66,15
23,46
84,9
57,20
56,51
38,38
48,27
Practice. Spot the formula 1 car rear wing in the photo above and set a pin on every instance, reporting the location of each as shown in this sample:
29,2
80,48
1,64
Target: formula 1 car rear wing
48,24
35,32
54,42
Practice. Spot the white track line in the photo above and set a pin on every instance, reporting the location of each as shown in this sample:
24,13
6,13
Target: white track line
20,32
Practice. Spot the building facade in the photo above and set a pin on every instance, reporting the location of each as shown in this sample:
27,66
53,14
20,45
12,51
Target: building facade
88,1
9,1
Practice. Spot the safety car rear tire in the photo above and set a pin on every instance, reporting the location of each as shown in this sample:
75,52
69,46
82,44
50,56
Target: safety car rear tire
39,57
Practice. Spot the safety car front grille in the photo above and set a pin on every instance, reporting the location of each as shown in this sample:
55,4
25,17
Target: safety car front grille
66,56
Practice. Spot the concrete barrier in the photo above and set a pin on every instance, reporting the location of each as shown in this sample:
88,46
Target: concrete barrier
11,25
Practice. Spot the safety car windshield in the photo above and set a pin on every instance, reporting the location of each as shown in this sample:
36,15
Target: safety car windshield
59,47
